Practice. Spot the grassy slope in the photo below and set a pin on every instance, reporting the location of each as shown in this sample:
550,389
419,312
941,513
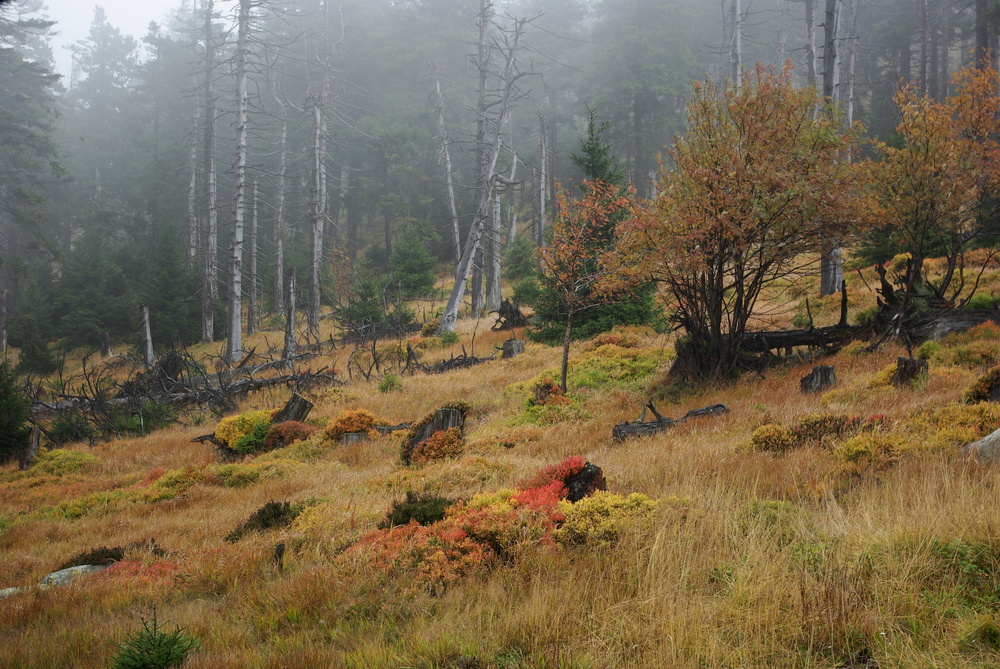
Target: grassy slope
897,555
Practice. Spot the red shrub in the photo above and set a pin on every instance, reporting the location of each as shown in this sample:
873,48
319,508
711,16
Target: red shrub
288,432
565,469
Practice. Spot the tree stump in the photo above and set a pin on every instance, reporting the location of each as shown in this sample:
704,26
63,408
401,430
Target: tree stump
353,438
30,451
297,408
907,371
513,347
820,378
585,482
444,419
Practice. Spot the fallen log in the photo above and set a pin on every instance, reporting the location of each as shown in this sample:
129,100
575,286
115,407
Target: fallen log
831,339
643,428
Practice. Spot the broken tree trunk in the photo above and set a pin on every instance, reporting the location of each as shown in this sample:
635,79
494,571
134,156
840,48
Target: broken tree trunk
147,337
297,408
820,378
641,428
907,371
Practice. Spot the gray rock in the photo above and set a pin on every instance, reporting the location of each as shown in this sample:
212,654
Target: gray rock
64,576
10,592
986,450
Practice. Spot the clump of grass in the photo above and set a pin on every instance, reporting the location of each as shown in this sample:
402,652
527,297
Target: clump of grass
772,437
270,516
105,555
62,461
422,508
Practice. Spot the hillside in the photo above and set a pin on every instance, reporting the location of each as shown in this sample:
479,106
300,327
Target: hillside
875,541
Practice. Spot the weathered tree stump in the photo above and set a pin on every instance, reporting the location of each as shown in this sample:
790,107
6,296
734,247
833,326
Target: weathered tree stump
585,482
509,317
907,371
30,451
353,438
512,347
641,428
297,408
820,378
444,418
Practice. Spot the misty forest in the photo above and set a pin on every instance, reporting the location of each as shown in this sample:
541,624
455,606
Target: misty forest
347,333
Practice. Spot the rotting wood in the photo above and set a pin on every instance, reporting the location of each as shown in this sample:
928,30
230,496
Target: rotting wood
297,408
820,378
643,428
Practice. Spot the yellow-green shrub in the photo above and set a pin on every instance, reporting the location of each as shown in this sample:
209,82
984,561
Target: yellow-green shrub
878,448
984,387
602,517
883,377
61,461
771,437
244,433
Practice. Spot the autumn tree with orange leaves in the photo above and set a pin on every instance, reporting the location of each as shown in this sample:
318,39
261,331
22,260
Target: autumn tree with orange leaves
752,177
582,263
935,189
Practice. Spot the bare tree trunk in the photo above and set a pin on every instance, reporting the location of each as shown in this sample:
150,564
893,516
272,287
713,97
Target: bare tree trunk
925,36
253,308
289,351
4,292
472,242
944,75
209,231
543,181
316,237
493,253
831,267
984,46
736,44
849,99
146,335
483,182
234,346
192,194
279,216
446,157
811,41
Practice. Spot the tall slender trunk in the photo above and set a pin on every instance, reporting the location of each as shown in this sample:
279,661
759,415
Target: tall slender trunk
984,47
483,183
493,256
192,194
925,39
831,265
279,215
253,308
234,345
736,44
289,350
483,206
811,41
446,158
146,336
209,228
543,181
849,99
316,219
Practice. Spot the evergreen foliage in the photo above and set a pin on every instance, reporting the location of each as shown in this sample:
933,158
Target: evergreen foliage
152,648
13,414
636,306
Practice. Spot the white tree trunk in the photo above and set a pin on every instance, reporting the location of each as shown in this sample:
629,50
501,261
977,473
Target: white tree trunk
192,194
234,347
253,305
736,44
446,158
289,351
811,42
146,335
483,206
493,255
316,219
543,180
209,231
279,215
831,262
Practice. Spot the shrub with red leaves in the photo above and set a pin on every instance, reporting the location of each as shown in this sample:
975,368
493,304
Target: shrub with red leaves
286,433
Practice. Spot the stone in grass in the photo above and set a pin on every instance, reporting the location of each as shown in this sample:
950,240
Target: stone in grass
64,576
986,450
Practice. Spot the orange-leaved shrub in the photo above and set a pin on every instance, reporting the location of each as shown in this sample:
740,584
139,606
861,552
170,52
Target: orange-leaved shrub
286,433
441,445
474,534
351,420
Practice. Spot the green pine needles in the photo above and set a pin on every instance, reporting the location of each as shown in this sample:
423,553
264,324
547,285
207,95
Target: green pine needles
152,648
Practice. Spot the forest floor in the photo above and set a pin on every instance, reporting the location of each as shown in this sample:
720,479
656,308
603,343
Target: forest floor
863,539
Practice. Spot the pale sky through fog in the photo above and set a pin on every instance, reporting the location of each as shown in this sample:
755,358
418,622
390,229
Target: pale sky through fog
74,17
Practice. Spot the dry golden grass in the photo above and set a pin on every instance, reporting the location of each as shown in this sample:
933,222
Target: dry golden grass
795,560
